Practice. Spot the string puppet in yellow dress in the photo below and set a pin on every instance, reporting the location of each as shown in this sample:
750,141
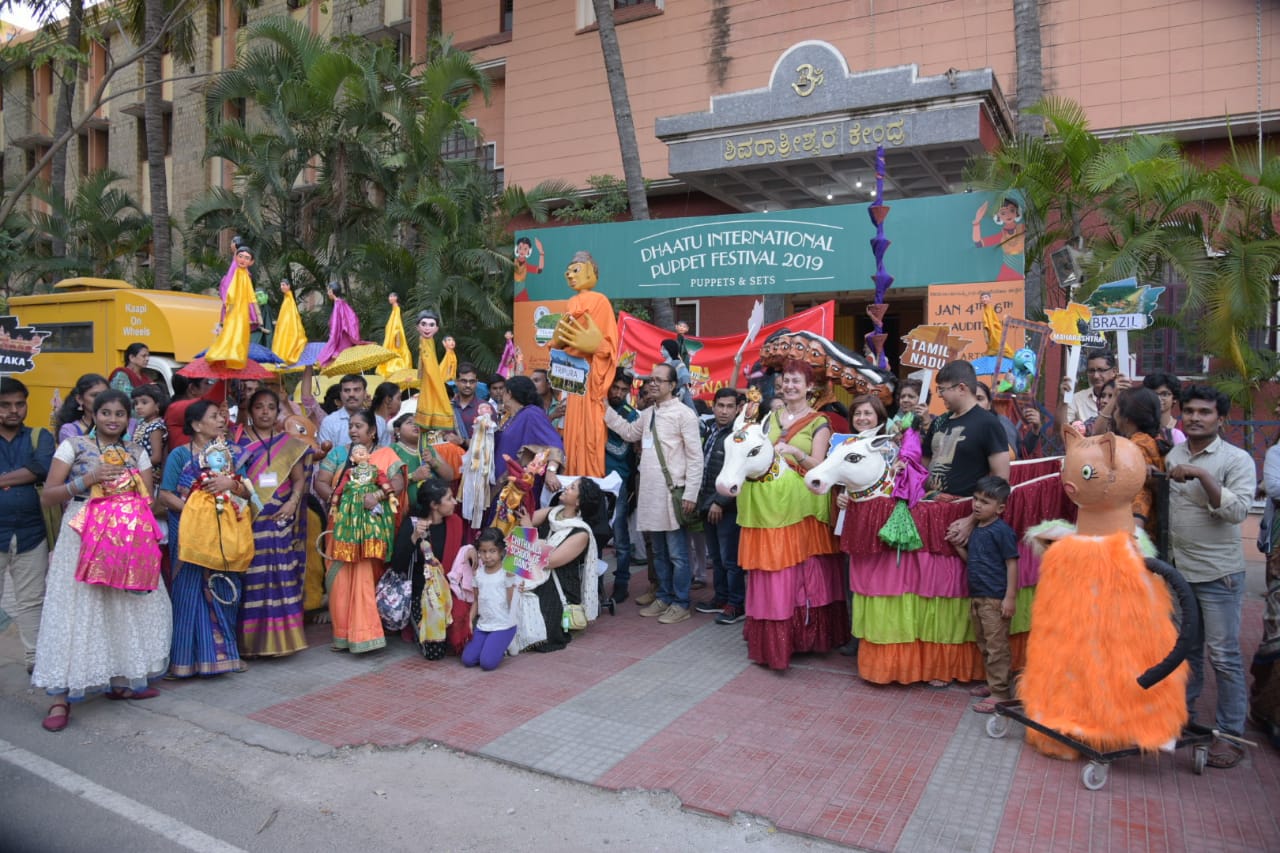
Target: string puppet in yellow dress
435,412
289,338
394,340
449,364
587,330
239,314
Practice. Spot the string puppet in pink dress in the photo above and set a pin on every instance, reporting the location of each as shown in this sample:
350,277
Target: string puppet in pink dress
344,326
120,539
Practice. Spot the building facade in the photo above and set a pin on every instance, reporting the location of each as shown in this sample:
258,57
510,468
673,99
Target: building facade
741,105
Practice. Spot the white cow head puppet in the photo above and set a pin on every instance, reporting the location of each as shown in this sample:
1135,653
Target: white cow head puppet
862,464
748,455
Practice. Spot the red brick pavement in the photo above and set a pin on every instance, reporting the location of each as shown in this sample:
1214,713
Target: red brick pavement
814,750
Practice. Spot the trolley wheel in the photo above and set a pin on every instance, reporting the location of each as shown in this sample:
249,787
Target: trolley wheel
1094,775
1200,755
997,726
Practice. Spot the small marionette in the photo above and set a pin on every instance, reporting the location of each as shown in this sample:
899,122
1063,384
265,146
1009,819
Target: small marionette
215,461
216,530
477,467
344,325
120,537
512,361
240,313
449,364
359,532
435,605
518,491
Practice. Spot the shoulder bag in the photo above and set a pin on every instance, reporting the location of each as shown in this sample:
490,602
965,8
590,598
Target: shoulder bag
676,492
575,615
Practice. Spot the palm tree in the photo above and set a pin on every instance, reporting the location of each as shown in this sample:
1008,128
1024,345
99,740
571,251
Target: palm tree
101,229
294,81
1139,207
1240,292
146,21
663,313
346,171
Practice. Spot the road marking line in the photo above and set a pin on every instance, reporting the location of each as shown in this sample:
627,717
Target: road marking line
131,810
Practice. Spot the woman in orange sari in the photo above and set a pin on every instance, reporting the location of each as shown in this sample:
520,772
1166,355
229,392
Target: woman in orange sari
364,523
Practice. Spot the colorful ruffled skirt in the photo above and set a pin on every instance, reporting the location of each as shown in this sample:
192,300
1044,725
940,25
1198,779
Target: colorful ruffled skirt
796,577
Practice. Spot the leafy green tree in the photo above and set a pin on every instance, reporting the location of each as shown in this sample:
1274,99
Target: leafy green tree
101,229
352,167
1138,206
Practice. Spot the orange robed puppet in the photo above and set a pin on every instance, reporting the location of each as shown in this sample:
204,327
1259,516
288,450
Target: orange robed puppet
587,330
1099,666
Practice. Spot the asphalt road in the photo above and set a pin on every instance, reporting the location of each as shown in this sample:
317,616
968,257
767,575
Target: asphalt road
127,778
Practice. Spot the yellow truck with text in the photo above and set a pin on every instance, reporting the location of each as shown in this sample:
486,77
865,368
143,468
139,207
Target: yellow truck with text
92,321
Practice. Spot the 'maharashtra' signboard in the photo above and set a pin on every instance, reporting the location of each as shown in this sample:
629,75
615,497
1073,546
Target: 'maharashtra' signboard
796,251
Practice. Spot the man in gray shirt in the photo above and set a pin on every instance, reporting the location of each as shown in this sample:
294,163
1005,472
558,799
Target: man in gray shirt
1212,485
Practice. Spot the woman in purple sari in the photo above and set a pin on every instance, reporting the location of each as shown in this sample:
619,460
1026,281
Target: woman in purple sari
276,463
344,326
525,425
524,431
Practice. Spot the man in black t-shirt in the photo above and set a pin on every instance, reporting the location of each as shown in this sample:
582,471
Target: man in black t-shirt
968,442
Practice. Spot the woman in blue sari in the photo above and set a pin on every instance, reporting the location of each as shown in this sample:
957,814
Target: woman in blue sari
271,597
204,606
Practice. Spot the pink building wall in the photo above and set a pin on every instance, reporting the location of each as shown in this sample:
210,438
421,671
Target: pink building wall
1128,62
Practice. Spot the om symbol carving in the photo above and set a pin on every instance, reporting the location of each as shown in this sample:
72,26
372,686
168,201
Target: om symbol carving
808,78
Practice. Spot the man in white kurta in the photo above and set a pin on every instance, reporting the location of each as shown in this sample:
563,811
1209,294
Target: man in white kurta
674,426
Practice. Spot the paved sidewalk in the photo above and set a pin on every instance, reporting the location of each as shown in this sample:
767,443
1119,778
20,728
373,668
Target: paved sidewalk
634,704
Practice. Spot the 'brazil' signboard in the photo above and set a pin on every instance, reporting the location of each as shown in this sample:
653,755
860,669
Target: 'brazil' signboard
795,251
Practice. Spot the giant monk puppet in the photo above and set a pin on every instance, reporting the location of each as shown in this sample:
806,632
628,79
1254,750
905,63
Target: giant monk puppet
587,330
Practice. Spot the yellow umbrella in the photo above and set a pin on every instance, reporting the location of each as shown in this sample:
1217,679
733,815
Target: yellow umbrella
358,359
406,377
393,340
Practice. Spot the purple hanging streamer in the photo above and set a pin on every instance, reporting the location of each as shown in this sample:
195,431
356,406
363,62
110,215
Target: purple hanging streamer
878,212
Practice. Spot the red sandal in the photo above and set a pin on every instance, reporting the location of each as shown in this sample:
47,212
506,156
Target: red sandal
57,722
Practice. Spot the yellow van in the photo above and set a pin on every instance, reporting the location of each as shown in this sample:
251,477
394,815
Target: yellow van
93,320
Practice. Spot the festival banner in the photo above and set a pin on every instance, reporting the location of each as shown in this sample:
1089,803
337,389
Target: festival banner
959,306
818,249
711,359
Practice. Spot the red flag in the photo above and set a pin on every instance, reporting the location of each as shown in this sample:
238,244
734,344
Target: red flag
711,359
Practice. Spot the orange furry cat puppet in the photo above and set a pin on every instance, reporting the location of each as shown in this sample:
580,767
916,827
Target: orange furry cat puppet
1099,667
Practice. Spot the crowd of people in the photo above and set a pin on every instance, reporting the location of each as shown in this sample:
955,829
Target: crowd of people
262,526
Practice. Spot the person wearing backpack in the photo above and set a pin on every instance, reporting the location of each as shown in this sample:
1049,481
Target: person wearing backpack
25,456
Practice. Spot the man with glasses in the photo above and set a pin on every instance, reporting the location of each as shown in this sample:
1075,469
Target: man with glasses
1100,368
669,438
967,442
464,400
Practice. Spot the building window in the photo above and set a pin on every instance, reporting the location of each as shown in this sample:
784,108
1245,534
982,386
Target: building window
686,311
462,146
166,131
508,15
587,11
1173,350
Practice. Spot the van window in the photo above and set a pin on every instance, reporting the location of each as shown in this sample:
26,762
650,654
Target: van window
67,337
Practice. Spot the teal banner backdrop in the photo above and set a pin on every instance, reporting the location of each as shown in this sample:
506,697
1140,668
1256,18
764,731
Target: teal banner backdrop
795,251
